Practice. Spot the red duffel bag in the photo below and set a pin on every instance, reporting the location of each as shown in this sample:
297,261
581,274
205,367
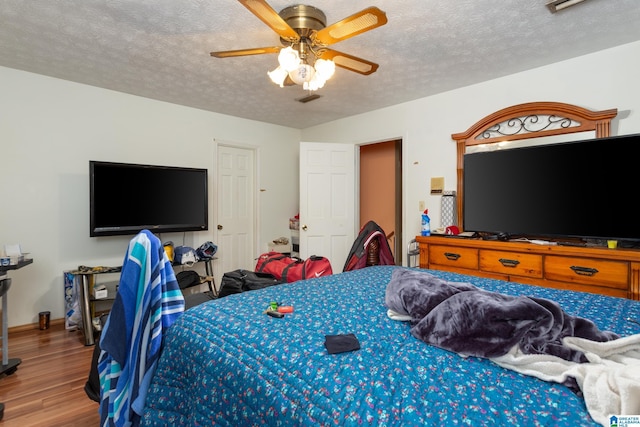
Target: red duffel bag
314,266
275,263
291,269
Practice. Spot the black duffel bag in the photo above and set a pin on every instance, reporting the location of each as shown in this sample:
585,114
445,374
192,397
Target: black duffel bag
237,281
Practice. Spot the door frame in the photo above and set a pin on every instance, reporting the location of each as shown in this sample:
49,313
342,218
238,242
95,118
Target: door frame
400,189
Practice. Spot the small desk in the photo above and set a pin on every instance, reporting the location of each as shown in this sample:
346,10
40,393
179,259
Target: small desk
86,277
9,366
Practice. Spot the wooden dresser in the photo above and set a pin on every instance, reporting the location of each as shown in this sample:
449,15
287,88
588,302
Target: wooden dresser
614,272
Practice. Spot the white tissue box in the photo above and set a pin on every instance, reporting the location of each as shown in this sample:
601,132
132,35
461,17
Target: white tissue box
100,293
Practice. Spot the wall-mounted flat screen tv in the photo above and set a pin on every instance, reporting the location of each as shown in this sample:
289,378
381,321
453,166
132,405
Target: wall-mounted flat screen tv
581,189
126,198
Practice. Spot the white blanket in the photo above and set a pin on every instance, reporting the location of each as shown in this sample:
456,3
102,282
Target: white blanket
610,381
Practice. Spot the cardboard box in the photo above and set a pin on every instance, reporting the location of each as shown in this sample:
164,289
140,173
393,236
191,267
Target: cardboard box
279,248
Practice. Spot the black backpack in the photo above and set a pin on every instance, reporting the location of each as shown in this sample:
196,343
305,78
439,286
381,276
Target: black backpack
237,281
187,279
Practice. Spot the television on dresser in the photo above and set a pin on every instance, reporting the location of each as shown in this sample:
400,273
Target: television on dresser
126,198
582,190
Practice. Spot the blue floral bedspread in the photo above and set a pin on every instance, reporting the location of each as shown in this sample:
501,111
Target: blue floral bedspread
225,362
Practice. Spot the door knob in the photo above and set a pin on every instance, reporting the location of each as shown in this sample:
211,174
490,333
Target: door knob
304,228
219,227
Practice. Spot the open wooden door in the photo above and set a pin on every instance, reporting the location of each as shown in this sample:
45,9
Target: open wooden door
327,201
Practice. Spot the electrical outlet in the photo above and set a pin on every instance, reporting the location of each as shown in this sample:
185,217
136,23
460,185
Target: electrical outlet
421,206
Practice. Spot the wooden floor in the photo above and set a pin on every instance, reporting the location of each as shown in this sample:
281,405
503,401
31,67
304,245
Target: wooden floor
47,389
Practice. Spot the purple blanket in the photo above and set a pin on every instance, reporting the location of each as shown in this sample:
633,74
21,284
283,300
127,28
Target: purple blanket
462,318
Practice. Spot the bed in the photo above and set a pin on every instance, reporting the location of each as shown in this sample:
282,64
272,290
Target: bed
226,362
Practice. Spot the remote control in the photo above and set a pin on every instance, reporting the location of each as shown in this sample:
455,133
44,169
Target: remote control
275,314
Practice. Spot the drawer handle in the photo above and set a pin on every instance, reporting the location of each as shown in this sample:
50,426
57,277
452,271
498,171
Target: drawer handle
451,256
509,262
584,271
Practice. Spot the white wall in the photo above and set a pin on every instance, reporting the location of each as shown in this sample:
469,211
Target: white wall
600,81
50,129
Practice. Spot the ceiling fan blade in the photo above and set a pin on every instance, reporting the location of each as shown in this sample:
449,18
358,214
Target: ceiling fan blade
349,62
245,52
266,14
358,23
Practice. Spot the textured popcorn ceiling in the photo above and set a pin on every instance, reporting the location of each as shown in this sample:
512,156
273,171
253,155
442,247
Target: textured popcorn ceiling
160,49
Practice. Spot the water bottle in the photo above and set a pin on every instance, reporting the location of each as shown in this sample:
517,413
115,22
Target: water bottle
426,224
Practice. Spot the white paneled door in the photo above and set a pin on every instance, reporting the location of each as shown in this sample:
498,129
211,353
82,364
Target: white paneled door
327,201
235,207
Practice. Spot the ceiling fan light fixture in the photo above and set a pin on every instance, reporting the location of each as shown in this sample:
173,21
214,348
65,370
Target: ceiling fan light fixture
325,68
278,76
310,77
306,60
303,73
289,59
314,84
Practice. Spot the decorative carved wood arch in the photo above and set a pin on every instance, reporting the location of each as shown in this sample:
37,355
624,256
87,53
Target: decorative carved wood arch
524,121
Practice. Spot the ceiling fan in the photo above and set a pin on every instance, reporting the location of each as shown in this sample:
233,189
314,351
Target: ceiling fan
304,57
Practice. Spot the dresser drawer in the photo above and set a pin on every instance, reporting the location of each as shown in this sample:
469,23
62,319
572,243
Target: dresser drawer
454,257
511,263
587,271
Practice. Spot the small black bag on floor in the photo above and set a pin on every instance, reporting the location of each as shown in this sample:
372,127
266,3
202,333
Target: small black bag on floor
187,279
237,281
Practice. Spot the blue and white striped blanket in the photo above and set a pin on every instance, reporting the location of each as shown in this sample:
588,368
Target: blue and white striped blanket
147,303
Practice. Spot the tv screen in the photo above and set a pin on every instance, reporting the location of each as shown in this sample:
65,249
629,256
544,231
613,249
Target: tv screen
126,198
581,189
